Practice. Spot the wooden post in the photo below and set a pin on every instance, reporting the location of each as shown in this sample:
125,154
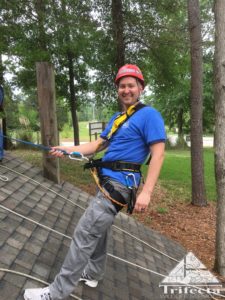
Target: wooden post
48,120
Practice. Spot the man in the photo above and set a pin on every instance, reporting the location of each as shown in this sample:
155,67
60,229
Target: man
129,138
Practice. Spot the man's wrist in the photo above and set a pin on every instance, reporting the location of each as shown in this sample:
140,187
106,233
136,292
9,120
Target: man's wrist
147,190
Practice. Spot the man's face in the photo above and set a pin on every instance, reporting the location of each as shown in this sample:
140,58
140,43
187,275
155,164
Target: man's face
129,90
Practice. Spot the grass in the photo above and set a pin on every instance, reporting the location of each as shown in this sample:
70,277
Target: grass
67,132
175,174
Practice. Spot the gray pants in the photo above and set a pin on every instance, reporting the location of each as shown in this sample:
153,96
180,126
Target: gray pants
89,245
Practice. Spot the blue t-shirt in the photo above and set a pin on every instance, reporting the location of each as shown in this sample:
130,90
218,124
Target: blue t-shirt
131,143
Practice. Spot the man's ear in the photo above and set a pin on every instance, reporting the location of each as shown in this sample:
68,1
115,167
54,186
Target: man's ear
141,88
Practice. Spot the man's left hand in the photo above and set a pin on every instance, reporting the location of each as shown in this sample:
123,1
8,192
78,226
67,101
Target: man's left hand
142,202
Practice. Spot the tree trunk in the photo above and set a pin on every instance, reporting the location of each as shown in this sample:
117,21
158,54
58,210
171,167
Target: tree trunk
219,90
197,164
118,32
73,102
70,58
118,36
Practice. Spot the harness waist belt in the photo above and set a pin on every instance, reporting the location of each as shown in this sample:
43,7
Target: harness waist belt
114,165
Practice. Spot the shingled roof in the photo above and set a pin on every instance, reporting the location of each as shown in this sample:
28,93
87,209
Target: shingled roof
36,251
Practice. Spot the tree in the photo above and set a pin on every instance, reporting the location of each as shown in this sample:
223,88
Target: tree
72,52
197,164
58,34
118,32
219,79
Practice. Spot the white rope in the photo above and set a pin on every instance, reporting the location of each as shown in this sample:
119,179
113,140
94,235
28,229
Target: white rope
42,185
31,277
145,243
75,204
4,178
35,222
111,255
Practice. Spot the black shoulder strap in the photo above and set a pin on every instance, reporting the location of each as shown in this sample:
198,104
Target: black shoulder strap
139,106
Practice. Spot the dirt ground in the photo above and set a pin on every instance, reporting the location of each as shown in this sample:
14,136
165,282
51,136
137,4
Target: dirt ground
193,227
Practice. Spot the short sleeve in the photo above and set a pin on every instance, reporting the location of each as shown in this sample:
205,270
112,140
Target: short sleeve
154,129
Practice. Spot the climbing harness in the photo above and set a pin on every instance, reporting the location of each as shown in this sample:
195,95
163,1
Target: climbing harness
113,165
113,195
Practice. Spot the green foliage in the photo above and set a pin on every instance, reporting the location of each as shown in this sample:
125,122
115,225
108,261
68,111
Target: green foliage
11,109
26,136
155,37
28,116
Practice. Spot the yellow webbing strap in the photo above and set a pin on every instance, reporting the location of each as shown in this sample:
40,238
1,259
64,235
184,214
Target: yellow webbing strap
120,119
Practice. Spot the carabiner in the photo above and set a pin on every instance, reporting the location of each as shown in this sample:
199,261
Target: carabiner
77,156
134,179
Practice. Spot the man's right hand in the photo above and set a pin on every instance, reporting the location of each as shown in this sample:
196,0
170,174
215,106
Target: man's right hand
57,151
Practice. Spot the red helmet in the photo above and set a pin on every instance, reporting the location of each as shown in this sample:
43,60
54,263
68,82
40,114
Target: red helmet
130,70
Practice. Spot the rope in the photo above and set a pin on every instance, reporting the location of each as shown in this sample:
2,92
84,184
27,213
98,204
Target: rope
4,178
35,222
111,255
46,148
27,143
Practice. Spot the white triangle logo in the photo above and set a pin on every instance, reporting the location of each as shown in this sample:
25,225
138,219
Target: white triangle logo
190,271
